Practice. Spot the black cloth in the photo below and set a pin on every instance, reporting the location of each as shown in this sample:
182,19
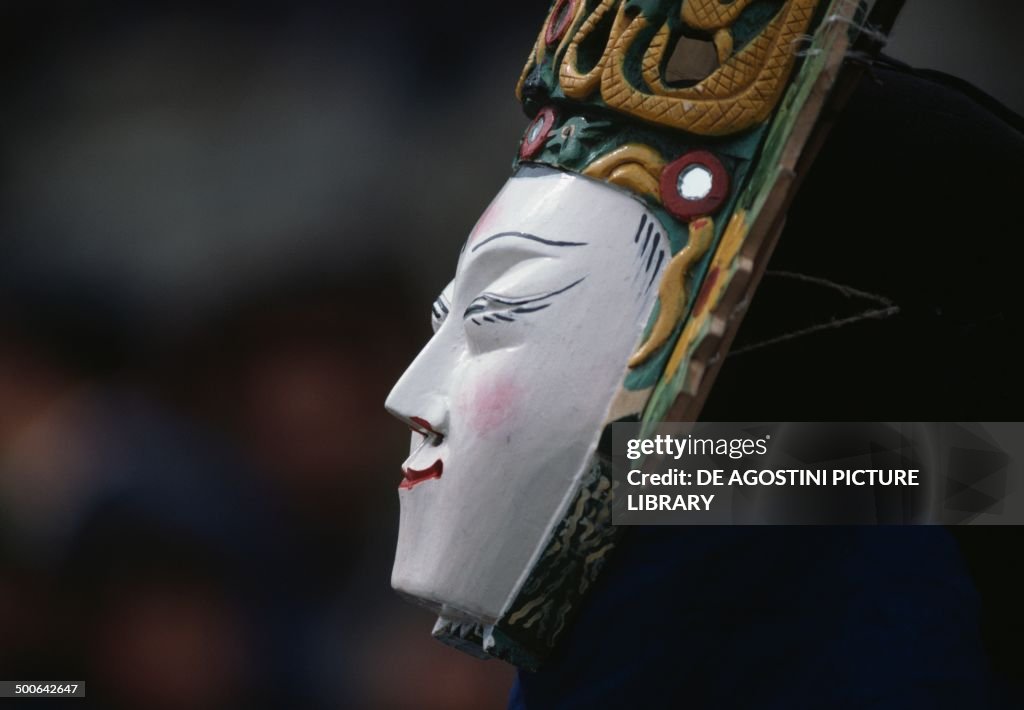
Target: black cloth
913,201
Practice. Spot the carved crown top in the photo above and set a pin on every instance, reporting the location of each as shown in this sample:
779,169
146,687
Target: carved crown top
705,67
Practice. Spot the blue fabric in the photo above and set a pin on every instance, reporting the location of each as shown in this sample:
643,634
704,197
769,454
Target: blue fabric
772,618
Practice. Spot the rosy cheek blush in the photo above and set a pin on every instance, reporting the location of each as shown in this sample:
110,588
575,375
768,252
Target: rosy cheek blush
492,403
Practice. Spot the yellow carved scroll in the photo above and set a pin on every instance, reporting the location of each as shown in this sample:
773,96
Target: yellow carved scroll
725,255
723,45
634,166
673,292
576,84
739,94
712,14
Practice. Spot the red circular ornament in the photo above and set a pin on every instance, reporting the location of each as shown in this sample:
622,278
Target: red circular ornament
537,133
694,186
561,17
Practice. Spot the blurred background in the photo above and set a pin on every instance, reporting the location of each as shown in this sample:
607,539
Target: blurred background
221,227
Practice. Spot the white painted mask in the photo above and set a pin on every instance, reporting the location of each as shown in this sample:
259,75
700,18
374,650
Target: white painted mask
509,398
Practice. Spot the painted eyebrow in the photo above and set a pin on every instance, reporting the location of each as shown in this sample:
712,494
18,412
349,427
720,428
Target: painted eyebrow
515,305
531,237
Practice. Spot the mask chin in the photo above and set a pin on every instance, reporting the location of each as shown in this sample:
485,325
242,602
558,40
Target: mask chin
544,607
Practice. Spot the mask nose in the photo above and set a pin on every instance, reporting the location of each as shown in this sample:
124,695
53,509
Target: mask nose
416,401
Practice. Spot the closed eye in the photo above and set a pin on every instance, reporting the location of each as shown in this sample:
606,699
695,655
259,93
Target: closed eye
496,308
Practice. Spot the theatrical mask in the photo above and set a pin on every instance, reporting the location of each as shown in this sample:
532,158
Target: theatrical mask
602,284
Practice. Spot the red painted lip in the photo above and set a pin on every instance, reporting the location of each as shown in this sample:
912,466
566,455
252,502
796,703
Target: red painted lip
413,477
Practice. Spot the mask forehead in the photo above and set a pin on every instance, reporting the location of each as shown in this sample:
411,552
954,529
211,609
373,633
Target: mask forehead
557,216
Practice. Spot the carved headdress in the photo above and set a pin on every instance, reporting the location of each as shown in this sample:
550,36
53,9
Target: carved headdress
701,109
674,100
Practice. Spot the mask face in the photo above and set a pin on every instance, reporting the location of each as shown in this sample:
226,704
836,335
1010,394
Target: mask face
509,398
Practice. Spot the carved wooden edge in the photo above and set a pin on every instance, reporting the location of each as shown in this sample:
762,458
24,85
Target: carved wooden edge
832,89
